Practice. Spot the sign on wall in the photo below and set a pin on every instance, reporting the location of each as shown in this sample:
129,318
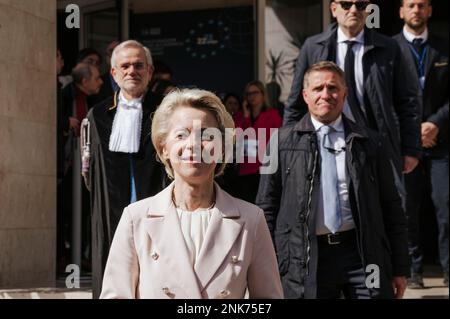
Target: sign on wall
208,49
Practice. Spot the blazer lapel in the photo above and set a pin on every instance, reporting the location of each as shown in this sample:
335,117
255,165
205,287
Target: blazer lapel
223,230
164,229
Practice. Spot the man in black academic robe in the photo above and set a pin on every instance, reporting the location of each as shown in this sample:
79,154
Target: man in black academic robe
117,178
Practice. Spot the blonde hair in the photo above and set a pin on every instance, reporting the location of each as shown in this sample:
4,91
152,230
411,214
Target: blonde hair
195,98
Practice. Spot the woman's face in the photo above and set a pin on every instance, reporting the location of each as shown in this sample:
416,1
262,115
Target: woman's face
190,147
232,105
254,96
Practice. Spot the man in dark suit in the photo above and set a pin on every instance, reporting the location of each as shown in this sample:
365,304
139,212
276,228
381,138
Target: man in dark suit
123,166
379,96
342,229
428,58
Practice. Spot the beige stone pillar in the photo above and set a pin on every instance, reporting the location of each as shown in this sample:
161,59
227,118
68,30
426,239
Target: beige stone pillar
27,143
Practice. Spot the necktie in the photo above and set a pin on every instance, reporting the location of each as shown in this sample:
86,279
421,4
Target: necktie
132,181
352,98
417,44
329,182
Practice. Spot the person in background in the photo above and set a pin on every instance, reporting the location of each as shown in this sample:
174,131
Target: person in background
230,180
428,59
161,72
257,116
122,166
232,103
90,56
109,86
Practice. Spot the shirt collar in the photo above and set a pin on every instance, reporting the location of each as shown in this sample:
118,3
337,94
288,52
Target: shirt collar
338,125
341,37
122,99
410,37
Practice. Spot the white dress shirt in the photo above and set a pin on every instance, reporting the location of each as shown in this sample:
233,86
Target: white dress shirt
358,49
410,37
126,129
338,139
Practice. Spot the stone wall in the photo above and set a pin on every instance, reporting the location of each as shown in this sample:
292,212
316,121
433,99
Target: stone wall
27,143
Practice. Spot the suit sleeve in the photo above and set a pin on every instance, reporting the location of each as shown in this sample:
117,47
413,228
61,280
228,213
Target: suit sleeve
263,276
122,269
408,106
394,217
440,118
295,105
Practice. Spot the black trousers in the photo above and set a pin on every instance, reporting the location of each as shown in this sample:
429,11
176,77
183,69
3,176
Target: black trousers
340,270
431,175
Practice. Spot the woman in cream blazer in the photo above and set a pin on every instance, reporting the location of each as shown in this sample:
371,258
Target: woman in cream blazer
192,240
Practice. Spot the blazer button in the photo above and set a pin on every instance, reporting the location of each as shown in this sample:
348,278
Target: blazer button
224,293
234,259
155,255
168,292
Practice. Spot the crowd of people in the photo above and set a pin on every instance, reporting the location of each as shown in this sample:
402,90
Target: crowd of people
364,129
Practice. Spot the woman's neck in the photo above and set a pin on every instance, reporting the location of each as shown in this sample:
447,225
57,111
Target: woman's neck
256,110
192,197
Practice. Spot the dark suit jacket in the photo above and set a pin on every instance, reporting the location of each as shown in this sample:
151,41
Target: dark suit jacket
435,93
395,103
291,207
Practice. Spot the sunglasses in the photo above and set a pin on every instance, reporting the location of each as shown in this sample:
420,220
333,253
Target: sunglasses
360,5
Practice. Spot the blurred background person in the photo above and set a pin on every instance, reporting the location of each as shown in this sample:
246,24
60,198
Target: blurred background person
428,59
109,86
256,114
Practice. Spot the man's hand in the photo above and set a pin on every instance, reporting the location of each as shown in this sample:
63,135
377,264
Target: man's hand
409,164
399,285
430,132
74,124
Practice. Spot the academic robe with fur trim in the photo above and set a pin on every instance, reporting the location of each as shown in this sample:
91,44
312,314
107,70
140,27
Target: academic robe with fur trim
110,178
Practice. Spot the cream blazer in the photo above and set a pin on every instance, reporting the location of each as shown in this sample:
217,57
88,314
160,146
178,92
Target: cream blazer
149,258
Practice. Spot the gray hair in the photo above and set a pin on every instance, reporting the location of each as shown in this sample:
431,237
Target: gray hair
131,44
195,98
81,71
